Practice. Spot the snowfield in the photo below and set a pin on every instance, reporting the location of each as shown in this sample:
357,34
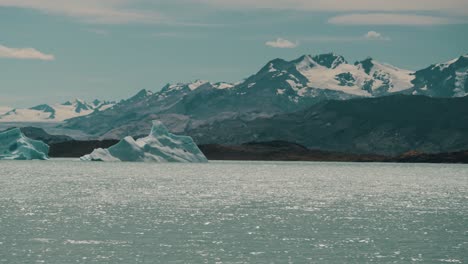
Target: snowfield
53,113
353,79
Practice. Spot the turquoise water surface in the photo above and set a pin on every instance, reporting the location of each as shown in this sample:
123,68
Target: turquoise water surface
65,211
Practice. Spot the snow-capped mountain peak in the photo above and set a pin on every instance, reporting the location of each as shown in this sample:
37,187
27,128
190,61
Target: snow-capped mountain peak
309,76
331,72
329,60
443,66
397,79
43,107
392,79
143,93
305,62
280,86
277,87
181,86
222,85
449,79
74,102
194,85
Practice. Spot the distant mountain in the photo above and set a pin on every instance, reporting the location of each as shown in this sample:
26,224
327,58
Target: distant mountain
389,125
279,87
55,112
173,103
448,79
366,78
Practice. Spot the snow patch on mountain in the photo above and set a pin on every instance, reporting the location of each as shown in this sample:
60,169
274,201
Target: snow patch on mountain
222,85
445,65
460,82
196,84
271,68
250,85
105,107
366,78
395,78
26,115
321,77
297,87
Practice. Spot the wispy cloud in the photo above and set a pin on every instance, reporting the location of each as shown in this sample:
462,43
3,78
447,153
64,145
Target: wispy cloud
92,11
347,6
131,11
282,43
390,19
111,12
366,12
24,53
369,36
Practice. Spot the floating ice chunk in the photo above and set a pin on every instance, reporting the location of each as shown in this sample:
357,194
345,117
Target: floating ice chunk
159,146
14,145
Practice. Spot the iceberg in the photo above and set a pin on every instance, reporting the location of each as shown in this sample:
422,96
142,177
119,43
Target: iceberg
14,145
159,146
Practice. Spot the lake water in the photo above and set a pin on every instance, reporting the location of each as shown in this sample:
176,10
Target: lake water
232,212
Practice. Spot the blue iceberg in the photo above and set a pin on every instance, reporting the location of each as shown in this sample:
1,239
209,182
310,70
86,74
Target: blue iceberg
14,145
159,146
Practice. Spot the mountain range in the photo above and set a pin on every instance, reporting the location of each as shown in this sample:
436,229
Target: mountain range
279,87
322,102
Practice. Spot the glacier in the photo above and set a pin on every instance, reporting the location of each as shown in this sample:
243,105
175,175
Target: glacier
45,113
14,145
159,146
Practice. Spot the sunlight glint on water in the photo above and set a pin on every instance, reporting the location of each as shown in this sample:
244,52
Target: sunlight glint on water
232,212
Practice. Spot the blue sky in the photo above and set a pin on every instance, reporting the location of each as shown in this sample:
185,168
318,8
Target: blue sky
55,50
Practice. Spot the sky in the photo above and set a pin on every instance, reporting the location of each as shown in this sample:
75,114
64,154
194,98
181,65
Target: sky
55,50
